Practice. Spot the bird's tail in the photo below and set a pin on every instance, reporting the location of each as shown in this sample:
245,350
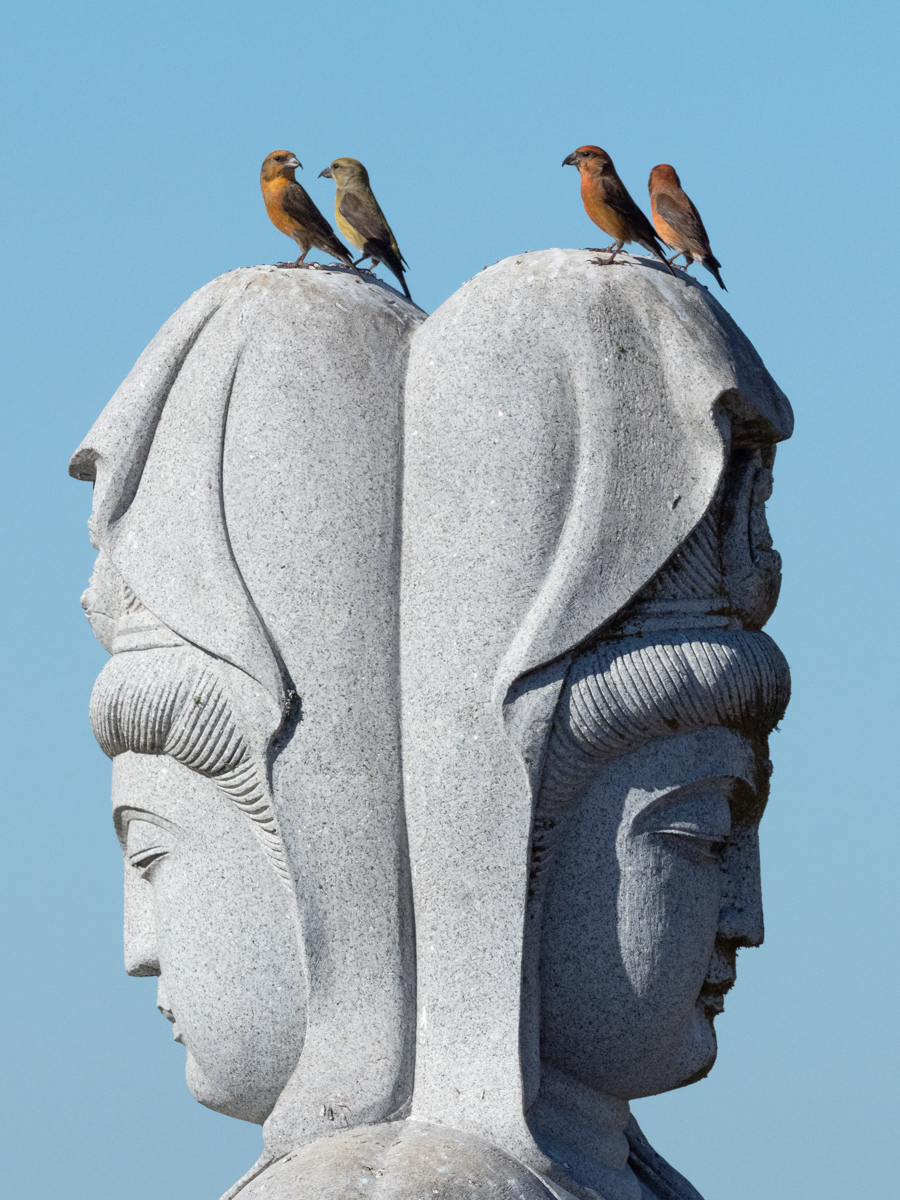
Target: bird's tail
656,249
339,251
712,265
392,259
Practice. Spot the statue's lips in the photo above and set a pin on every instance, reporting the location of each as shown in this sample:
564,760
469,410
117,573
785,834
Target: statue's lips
170,1016
713,1002
712,995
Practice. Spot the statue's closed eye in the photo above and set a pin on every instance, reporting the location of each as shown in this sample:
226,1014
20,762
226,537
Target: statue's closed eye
144,860
697,845
695,820
147,842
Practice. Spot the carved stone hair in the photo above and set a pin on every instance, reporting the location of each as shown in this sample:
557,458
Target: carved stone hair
176,702
624,693
619,696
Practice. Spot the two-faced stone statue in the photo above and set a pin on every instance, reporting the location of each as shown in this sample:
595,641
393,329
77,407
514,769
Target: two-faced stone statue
438,709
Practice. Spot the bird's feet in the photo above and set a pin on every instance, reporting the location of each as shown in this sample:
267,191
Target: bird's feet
300,266
601,249
688,261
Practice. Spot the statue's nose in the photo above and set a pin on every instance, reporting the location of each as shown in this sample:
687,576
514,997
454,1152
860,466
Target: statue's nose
141,954
741,913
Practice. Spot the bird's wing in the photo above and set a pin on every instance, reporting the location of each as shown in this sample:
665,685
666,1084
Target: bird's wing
367,219
683,218
618,198
298,204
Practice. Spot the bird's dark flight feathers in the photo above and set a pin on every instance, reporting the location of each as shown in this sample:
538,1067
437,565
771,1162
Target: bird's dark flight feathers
378,238
616,195
686,220
297,204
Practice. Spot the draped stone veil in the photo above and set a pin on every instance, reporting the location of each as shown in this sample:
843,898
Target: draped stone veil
246,509
568,428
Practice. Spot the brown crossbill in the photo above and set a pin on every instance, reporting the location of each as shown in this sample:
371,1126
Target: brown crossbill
292,211
678,223
360,219
607,202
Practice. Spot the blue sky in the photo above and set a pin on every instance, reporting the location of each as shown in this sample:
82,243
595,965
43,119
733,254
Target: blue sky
131,149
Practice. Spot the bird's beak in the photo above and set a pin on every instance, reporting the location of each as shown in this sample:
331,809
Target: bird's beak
326,174
570,160
293,161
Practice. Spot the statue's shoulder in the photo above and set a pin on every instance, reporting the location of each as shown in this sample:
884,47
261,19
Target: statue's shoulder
400,1160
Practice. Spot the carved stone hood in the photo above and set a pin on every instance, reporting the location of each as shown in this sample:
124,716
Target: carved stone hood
533,513
247,493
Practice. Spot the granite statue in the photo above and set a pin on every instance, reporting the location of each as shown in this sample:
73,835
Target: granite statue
246,501
439,692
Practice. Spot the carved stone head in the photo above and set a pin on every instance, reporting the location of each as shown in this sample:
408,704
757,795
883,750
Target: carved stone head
245,512
510,673
586,701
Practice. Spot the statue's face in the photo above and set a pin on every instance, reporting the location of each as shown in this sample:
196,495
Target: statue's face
205,912
654,888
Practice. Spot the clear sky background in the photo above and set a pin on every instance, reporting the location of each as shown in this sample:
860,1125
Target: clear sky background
131,146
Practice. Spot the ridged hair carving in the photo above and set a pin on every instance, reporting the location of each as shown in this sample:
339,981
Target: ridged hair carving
175,702
627,692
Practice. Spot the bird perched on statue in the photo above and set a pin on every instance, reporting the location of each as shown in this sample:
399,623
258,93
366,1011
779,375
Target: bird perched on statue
678,222
360,219
607,202
292,211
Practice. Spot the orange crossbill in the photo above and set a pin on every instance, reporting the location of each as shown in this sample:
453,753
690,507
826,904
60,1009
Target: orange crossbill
292,211
607,202
678,223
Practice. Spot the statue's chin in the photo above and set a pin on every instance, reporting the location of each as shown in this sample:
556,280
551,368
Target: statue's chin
656,1070
231,1101
702,1049
693,1061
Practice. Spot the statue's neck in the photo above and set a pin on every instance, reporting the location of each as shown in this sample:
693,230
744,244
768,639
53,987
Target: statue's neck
583,1131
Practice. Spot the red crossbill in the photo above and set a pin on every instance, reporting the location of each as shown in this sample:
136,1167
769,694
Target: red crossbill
292,211
607,202
678,223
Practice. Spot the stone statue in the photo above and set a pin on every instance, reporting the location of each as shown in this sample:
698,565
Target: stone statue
586,700
246,517
565,655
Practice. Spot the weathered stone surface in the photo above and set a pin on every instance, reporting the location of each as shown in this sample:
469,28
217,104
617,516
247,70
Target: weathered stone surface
398,1161
560,645
567,427
246,514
